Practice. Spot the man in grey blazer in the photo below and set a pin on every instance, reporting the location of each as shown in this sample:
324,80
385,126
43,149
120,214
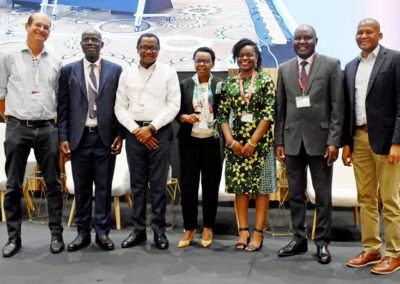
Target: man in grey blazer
308,131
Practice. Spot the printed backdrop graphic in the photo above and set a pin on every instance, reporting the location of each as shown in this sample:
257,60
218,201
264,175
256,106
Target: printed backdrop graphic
191,24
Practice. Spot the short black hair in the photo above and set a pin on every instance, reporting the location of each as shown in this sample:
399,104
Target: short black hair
242,43
92,31
148,35
205,49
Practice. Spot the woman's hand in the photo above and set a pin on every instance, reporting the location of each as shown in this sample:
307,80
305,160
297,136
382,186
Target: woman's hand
237,148
189,118
248,150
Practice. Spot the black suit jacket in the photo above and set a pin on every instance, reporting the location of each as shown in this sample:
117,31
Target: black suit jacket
187,87
382,101
73,103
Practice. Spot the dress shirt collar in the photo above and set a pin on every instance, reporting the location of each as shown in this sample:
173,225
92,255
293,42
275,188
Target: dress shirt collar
86,63
151,68
24,47
373,54
309,59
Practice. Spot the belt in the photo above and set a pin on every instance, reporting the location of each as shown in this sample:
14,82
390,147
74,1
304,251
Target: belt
91,129
363,127
143,123
32,123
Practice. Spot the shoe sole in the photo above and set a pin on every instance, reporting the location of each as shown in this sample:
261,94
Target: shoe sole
291,254
363,265
11,254
76,249
139,243
386,272
57,251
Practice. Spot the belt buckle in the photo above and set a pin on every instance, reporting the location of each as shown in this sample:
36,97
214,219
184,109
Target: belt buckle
29,124
92,129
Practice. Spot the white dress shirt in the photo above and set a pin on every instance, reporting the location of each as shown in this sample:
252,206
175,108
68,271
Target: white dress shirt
91,122
30,92
361,85
151,94
307,67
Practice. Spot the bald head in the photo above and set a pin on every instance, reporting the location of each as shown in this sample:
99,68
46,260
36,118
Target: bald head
40,15
371,22
304,41
93,32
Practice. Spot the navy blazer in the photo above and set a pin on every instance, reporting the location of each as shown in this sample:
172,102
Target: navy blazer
187,87
73,103
382,102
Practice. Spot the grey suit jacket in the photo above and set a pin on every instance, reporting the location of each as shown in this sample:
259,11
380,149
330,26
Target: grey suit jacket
320,124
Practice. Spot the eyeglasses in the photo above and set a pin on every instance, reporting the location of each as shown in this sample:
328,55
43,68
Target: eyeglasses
205,61
93,40
152,48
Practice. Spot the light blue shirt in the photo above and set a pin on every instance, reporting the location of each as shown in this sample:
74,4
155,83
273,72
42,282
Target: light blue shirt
30,92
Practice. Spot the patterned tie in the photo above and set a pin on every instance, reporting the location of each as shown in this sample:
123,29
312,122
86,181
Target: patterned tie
303,72
92,94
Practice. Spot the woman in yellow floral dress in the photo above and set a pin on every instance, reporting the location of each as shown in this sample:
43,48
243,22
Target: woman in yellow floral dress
246,114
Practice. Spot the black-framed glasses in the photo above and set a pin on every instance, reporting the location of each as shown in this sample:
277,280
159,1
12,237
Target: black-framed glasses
205,61
152,48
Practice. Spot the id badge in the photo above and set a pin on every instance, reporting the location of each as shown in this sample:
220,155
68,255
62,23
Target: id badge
36,96
303,101
203,125
138,108
247,117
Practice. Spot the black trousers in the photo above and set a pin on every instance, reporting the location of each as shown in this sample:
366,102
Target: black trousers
92,162
149,167
199,156
44,141
321,174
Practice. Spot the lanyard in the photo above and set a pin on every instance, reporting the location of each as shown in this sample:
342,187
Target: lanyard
250,89
35,65
201,96
303,87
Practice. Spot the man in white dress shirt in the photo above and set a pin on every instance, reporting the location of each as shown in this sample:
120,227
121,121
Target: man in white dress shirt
148,99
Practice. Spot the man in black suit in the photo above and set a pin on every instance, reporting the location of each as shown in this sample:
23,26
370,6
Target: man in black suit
372,144
308,131
90,133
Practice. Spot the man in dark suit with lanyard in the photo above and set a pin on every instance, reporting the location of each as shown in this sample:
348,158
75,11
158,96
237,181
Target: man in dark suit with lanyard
372,144
90,133
308,131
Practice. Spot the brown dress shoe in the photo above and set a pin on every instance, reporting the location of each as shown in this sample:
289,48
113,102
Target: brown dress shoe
364,259
387,265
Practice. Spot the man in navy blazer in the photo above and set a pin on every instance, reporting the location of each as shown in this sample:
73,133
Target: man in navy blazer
372,144
90,133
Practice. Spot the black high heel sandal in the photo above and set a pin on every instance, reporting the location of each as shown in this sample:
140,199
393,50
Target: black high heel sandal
242,246
251,248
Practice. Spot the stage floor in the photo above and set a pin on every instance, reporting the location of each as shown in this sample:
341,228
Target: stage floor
218,264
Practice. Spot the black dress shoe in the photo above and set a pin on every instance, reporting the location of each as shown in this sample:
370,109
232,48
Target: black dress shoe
161,241
82,240
12,246
323,254
57,243
104,242
134,239
293,248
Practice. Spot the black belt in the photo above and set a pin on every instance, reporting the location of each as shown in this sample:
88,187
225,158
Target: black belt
32,123
143,123
91,129
363,127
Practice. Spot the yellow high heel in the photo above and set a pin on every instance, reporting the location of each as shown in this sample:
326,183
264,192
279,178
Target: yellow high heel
186,243
206,243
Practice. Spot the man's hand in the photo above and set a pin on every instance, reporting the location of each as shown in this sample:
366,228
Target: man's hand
332,154
144,135
347,158
116,146
280,153
248,150
189,118
394,154
64,146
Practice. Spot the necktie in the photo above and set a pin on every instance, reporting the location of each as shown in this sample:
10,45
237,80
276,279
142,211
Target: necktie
92,94
303,77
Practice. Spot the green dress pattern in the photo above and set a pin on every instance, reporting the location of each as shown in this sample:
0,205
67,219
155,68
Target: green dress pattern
244,175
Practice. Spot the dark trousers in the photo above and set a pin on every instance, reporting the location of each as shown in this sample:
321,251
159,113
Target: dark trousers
44,141
321,174
92,162
149,167
199,156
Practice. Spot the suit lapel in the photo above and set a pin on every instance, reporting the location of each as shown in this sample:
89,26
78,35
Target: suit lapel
313,72
352,78
294,74
378,64
103,76
80,75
